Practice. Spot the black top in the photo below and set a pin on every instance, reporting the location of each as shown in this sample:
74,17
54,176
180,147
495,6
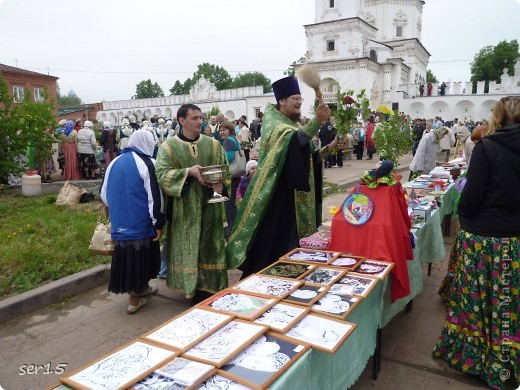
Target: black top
490,202
327,133
277,231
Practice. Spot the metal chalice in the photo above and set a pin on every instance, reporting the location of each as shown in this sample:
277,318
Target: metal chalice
213,175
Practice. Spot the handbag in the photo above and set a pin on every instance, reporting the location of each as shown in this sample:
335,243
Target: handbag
237,167
101,242
69,195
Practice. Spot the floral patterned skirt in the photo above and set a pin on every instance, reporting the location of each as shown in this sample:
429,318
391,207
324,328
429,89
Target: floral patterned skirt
481,335
447,283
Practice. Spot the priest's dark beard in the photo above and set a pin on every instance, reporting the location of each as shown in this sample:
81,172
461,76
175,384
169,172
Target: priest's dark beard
295,117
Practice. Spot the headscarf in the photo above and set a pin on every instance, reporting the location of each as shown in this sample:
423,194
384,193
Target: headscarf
463,133
439,132
251,164
381,174
69,126
383,169
143,141
61,127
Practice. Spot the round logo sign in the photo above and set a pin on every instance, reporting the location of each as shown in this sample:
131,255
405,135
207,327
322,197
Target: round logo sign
357,208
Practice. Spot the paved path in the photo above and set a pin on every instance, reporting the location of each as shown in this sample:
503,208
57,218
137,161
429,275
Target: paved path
79,329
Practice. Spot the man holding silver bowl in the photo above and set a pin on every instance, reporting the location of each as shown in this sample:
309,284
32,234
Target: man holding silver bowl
187,166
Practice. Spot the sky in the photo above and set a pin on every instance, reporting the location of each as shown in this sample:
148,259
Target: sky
103,48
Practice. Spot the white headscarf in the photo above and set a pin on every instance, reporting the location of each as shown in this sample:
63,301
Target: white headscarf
142,140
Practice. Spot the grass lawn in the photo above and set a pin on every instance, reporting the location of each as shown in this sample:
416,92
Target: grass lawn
41,242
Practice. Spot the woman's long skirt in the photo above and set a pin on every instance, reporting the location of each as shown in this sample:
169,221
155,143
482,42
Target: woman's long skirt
481,335
71,171
134,263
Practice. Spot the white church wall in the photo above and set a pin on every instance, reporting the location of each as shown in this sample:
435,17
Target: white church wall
463,107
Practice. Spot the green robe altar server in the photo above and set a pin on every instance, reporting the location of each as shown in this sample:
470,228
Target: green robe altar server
195,236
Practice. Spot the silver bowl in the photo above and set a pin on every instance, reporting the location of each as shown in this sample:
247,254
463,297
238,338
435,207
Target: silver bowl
212,175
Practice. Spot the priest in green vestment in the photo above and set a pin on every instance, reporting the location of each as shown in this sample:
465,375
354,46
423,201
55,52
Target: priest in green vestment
195,235
283,200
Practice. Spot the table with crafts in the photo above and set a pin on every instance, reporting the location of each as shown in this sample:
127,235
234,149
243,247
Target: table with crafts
429,248
317,368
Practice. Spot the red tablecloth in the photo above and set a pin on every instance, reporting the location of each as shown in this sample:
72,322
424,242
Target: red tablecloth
386,236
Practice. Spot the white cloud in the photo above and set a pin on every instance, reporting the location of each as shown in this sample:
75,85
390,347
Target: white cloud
102,49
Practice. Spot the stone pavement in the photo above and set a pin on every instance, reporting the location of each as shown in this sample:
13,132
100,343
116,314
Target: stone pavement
80,328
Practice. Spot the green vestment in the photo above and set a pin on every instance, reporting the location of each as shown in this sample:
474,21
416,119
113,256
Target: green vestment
195,237
277,130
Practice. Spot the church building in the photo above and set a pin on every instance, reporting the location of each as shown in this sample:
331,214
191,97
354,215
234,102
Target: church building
368,44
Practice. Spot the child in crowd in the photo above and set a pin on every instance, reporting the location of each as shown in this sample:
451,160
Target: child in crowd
244,181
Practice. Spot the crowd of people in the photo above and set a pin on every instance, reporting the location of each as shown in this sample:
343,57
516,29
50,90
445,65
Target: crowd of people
276,201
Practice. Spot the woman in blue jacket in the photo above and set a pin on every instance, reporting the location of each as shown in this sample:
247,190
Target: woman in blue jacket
134,199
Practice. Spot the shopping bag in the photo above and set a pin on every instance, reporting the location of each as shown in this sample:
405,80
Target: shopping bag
238,167
101,242
69,195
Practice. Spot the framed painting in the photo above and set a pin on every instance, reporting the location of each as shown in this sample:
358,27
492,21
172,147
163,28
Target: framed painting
307,294
321,332
121,368
341,289
377,268
188,328
226,342
362,284
324,275
267,286
186,373
219,382
262,362
287,269
348,262
240,304
282,316
336,306
155,381
311,256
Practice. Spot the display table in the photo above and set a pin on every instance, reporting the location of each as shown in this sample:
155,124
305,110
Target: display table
317,369
320,370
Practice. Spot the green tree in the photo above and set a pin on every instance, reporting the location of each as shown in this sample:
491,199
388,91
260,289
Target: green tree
214,111
214,74
146,89
180,88
251,79
490,62
430,77
392,137
68,100
290,70
24,125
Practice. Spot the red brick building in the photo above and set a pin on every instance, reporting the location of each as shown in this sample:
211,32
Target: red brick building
20,82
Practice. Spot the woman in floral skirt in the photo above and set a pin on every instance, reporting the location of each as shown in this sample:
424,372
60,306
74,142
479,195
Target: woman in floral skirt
481,335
